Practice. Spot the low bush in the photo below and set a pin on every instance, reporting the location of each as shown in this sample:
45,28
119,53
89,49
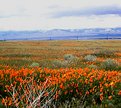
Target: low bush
90,58
104,53
69,61
58,64
69,57
34,64
109,64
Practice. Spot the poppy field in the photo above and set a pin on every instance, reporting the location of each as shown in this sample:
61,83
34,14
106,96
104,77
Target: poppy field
60,74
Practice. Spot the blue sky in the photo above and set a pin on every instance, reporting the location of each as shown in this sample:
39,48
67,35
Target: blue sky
59,14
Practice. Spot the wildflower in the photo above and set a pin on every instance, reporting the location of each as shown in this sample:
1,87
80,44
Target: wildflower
65,92
112,83
101,89
71,91
119,93
3,101
87,92
101,96
61,86
106,85
109,97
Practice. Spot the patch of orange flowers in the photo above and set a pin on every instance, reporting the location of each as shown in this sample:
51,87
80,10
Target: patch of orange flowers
68,81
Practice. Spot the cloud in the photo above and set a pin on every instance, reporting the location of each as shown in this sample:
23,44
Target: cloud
89,11
49,7
50,14
37,23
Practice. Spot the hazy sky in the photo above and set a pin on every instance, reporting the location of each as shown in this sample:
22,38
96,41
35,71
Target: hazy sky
64,14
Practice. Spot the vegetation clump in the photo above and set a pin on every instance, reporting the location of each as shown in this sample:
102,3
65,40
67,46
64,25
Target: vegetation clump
34,64
58,64
109,64
43,87
90,58
92,66
104,53
69,61
69,57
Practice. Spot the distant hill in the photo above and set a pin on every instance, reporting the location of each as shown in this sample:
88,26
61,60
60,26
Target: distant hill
56,34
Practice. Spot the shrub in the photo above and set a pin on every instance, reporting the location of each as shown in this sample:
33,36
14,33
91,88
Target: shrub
71,60
109,64
34,64
30,95
69,57
58,64
90,58
104,53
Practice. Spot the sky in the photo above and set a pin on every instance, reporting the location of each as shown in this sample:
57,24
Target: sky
59,14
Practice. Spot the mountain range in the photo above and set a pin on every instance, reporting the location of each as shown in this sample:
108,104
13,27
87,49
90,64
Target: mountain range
57,34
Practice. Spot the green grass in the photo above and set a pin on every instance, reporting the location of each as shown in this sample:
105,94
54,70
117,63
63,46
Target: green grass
16,63
16,55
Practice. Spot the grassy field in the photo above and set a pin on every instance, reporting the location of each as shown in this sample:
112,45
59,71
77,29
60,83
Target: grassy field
26,52
62,74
